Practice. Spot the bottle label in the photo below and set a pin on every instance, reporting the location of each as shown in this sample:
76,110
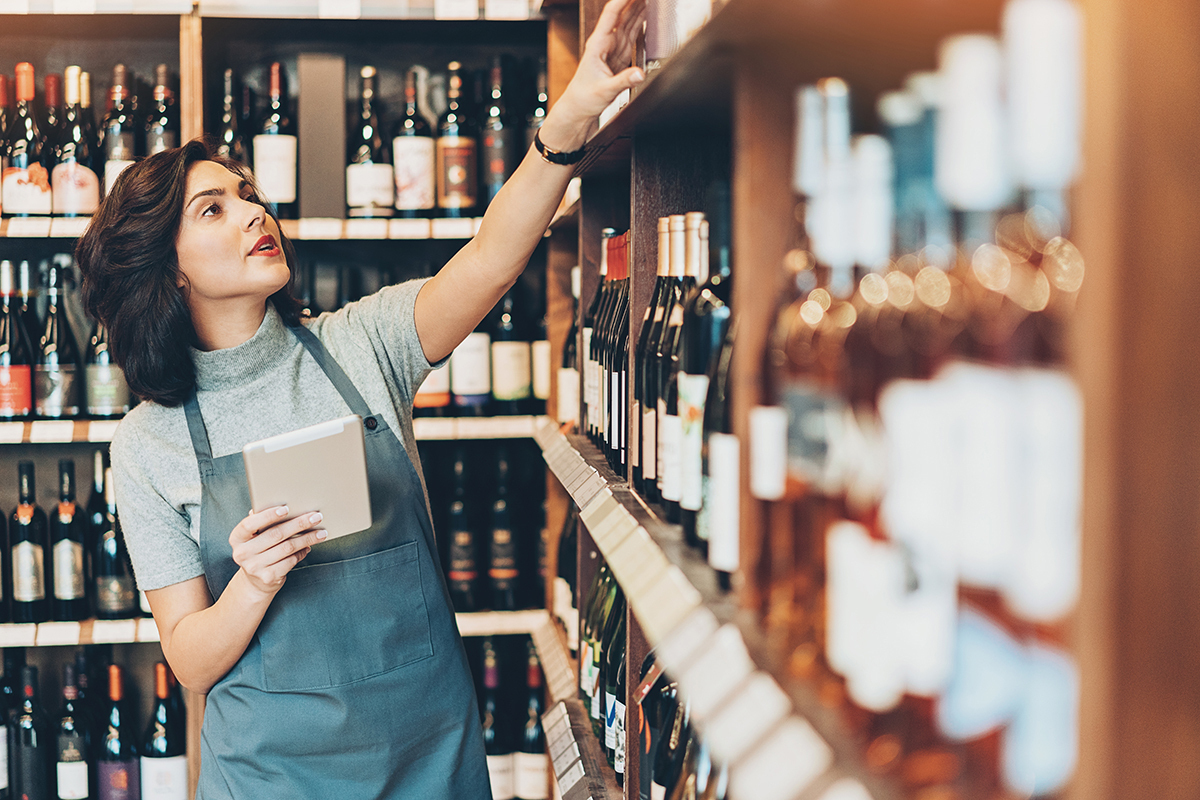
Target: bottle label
113,168
672,446
275,166
118,147
568,395
650,444
164,778
107,392
511,370
531,776
26,191
16,391
814,424
462,572
593,676
693,389
768,452
660,414
369,190
564,609
68,570
114,595
119,780
413,162
72,779
619,737
76,189
434,391
500,774
540,352
718,521
495,161
588,399
471,366
610,721
56,391
502,568
3,757
29,575
159,140
614,410
457,183
635,435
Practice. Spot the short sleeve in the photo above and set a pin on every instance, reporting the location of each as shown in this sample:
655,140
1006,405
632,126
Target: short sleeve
157,534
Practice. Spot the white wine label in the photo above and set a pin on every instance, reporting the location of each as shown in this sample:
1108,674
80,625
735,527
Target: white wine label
500,773
4,757
511,370
369,189
610,719
768,452
413,163
615,415
619,745
649,435
531,776
72,779
26,191
275,166
671,444
588,400
721,508
635,435
457,166
107,391
692,392
68,570
56,391
76,189
113,169
568,395
540,351
29,575
164,778
471,365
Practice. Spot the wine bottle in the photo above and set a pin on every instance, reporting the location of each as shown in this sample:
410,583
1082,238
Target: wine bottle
457,155
567,385
698,345
74,746
87,119
541,359
599,348
67,526
531,777
27,543
533,122
670,422
591,374
96,511
502,551
117,762
163,764
565,580
471,372
115,596
614,711
107,391
495,743
26,183
276,147
672,747
498,139
33,747
603,635
162,121
7,694
643,445
718,522
10,688
86,706
512,375
657,353
617,361
57,390
433,395
231,141
75,184
619,752
369,176
53,113
119,128
27,291
16,354
413,158
464,570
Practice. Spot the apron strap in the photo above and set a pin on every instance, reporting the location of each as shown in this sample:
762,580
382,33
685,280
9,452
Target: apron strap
333,371
199,433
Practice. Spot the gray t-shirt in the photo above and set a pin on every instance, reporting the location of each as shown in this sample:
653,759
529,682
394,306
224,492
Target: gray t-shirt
264,386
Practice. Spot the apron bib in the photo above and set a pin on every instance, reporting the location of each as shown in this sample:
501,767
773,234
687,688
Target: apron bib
356,683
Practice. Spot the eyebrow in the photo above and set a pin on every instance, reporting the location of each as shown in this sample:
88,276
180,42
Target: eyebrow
214,192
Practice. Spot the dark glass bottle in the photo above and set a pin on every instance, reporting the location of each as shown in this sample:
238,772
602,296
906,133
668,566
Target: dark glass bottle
495,741
26,182
717,522
499,139
531,779
16,352
67,535
120,128
75,184
162,121
611,615
512,370
457,153
87,119
72,767
463,573
565,580
231,141
603,591
471,372
10,688
541,104
27,290
413,158
116,757
567,381
115,595
34,748
654,380
369,176
614,706
163,765
4,113
53,111
107,391
96,512
27,545
588,325
642,455
502,554
618,369
57,388
672,744
276,148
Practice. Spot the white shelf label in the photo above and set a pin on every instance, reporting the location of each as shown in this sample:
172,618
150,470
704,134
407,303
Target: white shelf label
69,227
675,651
12,432
43,431
409,229
147,630
114,631
673,598
713,676
74,6
14,6
434,428
558,712
451,228
506,9
57,633
319,228
366,228
18,635
29,227
339,9
102,430
572,776
569,756
784,765
755,708
846,789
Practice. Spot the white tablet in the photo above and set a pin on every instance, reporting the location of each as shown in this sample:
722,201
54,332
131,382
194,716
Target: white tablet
320,468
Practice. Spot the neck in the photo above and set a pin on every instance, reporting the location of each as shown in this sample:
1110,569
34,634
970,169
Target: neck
227,325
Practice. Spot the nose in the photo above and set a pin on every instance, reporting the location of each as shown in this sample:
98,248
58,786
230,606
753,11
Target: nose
255,214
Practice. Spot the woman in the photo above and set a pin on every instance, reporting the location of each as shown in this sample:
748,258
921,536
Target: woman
346,676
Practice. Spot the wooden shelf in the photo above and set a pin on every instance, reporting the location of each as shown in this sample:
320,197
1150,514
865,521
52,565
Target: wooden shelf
580,766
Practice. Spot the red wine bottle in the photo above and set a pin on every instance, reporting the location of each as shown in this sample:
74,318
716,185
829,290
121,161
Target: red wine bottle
499,154
457,153
107,391
163,764
413,158
463,573
512,368
67,534
32,745
117,762
16,353
231,140
26,183
53,113
531,778
162,121
369,176
115,595
502,552
73,746
276,148
495,742
74,180
119,129
57,387
27,545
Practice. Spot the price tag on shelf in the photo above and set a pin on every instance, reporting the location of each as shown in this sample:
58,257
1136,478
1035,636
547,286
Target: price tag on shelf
718,669
29,227
12,432
672,599
114,631
14,6
756,706
846,789
69,227
435,428
573,775
409,229
450,228
319,228
554,731
574,474
513,427
783,765
74,6
639,565
147,630
589,489
562,755
366,229
506,9
339,9
598,510
558,712
18,635
675,650
52,430
102,430
58,633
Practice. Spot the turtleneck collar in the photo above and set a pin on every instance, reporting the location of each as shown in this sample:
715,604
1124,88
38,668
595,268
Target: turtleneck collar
236,366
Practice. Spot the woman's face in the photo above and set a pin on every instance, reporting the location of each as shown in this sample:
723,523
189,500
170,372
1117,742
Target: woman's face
228,245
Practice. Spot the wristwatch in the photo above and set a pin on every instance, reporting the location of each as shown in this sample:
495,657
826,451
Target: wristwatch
552,156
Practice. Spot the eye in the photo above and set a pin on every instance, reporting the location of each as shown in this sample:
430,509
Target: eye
212,209
251,197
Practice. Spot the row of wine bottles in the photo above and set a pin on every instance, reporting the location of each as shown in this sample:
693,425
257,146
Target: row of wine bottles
92,747
511,706
70,564
56,161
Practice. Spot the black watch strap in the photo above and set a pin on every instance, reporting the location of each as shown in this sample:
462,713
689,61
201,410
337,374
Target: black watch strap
557,156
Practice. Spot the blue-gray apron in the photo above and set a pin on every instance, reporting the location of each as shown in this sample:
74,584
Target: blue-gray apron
356,684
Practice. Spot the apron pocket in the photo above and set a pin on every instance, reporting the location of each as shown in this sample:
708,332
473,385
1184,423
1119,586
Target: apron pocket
333,624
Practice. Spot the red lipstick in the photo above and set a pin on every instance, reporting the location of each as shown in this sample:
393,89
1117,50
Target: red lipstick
266,246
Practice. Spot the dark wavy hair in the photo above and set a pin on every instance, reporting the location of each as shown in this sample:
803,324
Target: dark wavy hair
131,277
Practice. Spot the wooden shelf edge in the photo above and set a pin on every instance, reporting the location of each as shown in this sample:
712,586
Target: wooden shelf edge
577,757
85,632
500,623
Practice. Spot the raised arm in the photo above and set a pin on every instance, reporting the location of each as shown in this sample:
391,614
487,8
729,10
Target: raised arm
453,302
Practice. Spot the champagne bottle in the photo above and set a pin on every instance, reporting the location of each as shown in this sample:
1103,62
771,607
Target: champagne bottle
107,391
163,764
471,372
276,147
162,121
16,353
26,183
118,768
457,155
369,176
231,141
541,103
531,778
27,538
74,746
464,569
115,596
34,752
495,744
67,526
502,559
413,156
57,388
75,184
567,385
498,139
120,145
512,373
